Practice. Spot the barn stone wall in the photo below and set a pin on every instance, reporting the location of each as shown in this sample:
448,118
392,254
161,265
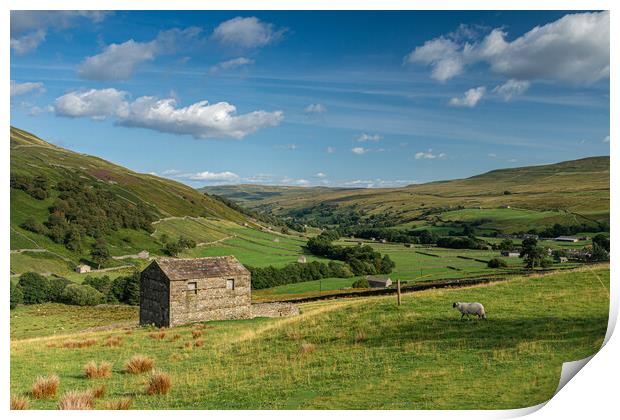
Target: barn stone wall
154,297
274,309
211,300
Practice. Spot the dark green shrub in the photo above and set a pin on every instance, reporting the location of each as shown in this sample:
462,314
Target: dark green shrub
360,284
496,263
126,289
35,288
56,287
17,295
82,295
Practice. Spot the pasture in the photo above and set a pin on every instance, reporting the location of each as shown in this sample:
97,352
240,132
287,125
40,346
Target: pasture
346,354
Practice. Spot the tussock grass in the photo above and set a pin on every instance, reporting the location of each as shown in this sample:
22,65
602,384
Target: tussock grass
98,391
119,404
114,341
199,343
93,371
79,344
160,383
19,402
45,387
196,334
159,335
139,364
175,337
76,400
307,348
188,345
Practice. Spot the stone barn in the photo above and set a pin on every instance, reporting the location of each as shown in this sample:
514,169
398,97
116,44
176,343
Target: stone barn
179,291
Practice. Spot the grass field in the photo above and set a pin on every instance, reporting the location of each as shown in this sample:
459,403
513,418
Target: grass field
350,353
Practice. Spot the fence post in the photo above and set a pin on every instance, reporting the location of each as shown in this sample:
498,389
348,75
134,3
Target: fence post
398,291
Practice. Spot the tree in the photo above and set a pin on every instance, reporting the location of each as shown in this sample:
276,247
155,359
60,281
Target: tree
599,253
534,255
172,248
360,284
496,263
602,241
17,295
81,295
100,252
35,288
506,245
56,287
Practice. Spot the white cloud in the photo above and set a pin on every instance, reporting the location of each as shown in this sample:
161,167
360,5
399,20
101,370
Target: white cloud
93,103
119,61
359,150
230,64
430,155
200,120
573,49
492,155
29,28
470,98
315,109
442,54
369,137
212,176
249,32
37,110
606,139
330,150
320,175
291,146
512,88
18,89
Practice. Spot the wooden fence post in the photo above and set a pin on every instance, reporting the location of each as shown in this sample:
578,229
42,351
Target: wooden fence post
398,291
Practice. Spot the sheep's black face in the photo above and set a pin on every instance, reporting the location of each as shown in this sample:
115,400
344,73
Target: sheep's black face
454,305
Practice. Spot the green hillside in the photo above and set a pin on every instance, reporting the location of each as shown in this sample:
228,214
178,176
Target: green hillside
572,192
139,198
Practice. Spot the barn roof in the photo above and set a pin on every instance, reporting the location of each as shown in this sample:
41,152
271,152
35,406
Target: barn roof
196,268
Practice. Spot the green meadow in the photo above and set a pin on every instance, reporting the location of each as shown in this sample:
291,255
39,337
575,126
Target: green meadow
339,354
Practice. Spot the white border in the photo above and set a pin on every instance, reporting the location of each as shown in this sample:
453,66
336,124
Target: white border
593,393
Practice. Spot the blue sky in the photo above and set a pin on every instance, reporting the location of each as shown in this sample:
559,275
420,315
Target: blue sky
365,99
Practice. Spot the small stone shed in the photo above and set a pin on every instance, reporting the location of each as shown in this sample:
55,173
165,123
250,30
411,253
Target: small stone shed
179,291
379,282
82,268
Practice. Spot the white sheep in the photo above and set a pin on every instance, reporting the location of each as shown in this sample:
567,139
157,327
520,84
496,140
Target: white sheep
470,308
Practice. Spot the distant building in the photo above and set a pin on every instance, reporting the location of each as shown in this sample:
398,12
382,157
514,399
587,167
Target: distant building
144,255
407,245
510,254
563,259
379,282
302,259
566,239
384,241
82,268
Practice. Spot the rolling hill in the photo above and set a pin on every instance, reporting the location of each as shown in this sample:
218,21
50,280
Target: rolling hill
567,193
148,197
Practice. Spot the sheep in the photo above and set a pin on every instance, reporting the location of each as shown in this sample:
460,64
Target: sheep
470,308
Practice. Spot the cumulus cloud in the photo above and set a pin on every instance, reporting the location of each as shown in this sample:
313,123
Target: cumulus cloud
201,120
368,137
212,176
320,175
330,150
430,155
573,49
606,139
18,89
359,150
93,103
119,61
230,64
315,109
248,32
29,28
512,88
470,98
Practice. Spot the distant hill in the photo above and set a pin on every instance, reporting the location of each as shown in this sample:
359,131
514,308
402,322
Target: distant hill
579,188
137,198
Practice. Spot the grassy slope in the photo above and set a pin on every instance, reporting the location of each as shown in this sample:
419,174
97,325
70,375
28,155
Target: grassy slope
579,186
368,352
33,156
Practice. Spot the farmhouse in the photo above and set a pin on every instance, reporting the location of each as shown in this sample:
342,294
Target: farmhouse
82,268
566,239
180,291
302,259
378,282
510,254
